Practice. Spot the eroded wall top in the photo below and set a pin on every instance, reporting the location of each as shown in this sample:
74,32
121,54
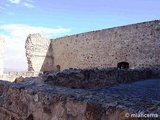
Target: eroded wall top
38,53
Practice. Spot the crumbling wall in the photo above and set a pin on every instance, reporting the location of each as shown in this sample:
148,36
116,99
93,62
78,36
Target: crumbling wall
1,55
98,78
38,53
137,44
29,100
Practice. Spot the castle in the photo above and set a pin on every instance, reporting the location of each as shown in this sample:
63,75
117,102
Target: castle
130,46
87,94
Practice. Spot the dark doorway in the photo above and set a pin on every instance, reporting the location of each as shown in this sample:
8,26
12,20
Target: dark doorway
123,65
58,68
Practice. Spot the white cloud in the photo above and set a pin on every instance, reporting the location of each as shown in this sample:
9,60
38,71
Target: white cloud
15,1
15,37
28,5
19,30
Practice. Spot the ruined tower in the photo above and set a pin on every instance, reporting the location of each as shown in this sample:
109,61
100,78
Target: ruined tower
38,53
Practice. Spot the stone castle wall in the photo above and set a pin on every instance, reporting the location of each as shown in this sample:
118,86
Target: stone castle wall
137,44
1,55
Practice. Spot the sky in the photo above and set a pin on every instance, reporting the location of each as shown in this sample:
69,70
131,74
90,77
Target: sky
57,18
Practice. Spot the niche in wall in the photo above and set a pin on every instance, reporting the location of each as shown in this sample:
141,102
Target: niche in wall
123,65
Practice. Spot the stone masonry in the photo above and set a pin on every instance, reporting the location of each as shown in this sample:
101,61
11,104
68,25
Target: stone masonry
1,55
38,53
33,99
97,78
88,77
136,44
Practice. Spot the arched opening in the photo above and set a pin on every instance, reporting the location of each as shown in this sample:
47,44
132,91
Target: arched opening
123,65
58,68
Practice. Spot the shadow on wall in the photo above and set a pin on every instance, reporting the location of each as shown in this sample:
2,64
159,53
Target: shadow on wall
48,61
